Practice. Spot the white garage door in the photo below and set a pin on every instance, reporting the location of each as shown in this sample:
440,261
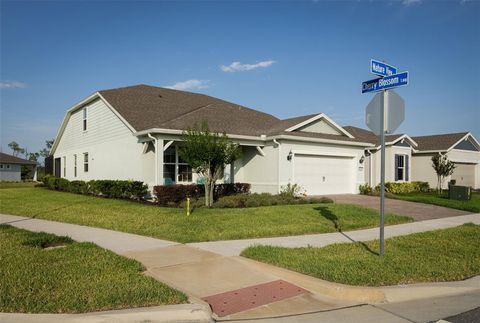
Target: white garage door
322,175
464,174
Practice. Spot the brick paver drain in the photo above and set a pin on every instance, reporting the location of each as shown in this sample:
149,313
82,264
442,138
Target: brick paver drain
250,297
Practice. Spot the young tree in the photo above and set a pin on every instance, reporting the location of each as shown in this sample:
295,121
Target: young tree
207,153
443,167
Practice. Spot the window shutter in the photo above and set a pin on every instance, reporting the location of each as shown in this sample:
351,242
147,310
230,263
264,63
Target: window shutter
406,168
396,167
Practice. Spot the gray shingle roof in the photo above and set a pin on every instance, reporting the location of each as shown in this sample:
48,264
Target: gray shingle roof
368,136
9,159
146,107
438,142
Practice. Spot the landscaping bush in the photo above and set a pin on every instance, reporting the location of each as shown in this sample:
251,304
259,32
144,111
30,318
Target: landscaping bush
174,195
395,188
264,199
106,188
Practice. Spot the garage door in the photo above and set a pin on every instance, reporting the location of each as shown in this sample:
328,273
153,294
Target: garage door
464,174
322,175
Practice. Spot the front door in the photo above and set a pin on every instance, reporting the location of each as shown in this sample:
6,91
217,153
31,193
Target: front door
58,167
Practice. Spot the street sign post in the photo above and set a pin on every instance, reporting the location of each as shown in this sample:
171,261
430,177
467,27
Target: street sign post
381,68
383,115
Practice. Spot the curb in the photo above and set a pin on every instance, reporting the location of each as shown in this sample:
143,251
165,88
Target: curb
168,313
361,294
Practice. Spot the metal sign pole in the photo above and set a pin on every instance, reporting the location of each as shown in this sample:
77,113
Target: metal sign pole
384,106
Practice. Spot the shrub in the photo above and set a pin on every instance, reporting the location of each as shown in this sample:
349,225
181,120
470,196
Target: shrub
396,188
106,188
264,199
174,195
45,240
365,189
292,190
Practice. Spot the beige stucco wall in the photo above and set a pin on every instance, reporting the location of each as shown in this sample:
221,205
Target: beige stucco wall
390,152
320,126
423,170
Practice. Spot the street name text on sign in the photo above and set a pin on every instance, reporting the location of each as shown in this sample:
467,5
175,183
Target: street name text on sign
381,68
386,82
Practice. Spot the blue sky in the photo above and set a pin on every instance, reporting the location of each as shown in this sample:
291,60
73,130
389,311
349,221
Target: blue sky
293,58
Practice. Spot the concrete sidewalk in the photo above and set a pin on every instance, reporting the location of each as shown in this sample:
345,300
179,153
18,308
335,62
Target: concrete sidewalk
118,242
201,273
235,247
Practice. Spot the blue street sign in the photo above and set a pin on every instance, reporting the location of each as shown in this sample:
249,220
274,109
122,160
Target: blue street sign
387,82
381,68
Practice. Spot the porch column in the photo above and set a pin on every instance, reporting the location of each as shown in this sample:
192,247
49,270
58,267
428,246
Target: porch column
35,173
159,162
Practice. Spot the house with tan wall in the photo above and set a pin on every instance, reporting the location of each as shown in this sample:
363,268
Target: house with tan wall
133,133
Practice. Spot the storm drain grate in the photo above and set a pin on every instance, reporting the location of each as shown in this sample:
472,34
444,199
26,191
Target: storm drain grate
246,298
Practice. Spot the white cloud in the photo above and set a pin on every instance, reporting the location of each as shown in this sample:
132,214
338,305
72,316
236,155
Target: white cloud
189,85
411,2
12,85
237,66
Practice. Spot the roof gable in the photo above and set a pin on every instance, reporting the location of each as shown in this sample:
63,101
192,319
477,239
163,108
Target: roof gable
319,123
468,143
442,142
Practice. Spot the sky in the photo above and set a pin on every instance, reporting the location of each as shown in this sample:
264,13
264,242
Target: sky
284,58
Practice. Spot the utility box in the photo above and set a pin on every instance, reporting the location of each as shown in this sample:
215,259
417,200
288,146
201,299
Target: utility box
456,192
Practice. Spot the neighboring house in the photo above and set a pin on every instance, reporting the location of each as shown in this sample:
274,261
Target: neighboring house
410,158
461,148
398,156
134,132
11,168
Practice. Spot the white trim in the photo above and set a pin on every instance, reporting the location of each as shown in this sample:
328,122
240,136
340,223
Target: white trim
318,117
168,144
322,140
129,126
260,151
465,161
314,153
465,138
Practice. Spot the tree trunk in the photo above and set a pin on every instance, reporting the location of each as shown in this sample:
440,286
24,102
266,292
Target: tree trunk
212,189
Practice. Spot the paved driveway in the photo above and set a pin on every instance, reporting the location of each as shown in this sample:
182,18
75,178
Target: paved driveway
418,211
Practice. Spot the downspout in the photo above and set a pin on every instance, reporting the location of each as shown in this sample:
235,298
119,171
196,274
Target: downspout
370,155
156,156
278,164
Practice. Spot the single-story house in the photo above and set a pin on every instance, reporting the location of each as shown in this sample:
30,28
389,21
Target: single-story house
461,148
133,133
11,168
410,158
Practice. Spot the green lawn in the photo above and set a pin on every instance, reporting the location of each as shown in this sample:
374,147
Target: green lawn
79,277
17,184
202,225
442,255
473,205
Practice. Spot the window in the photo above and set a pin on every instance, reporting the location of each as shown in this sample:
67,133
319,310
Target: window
184,171
84,119
74,165
64,166
7,166
85,162
174,168
1,166
401,167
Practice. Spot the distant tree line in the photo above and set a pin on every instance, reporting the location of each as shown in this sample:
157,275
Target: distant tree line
18,151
